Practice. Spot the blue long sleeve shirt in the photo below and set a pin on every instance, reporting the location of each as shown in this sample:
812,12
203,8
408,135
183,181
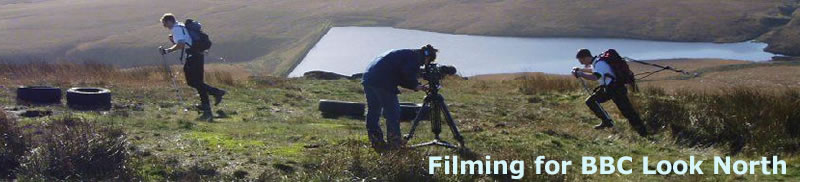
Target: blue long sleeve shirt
394,68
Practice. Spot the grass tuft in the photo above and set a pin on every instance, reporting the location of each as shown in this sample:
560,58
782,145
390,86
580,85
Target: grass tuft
532,84
13,146
743,119
63,149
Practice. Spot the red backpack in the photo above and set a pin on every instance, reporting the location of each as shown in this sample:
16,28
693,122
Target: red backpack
623,74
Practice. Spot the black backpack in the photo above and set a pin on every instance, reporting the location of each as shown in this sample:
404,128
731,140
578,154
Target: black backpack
623,74
201,41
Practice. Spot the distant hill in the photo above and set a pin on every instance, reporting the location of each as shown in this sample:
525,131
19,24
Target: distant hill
272,36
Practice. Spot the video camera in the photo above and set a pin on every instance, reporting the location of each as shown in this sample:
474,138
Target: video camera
433,73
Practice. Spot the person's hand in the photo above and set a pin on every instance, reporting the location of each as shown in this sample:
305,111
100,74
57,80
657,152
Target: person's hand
575,72
162,50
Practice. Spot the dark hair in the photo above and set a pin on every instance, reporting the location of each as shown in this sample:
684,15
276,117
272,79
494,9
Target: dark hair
429,51
168,17
583,53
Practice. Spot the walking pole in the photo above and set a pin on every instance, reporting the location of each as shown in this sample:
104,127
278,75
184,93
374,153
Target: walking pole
172,78
584,85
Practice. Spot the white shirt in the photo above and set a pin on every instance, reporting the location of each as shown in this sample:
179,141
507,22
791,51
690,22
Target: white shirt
602,70
180,34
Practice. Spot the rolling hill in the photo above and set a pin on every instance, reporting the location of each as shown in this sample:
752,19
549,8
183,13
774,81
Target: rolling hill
270,37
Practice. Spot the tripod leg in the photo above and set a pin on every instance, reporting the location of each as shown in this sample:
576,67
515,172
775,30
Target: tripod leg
451,124
436,117
423,111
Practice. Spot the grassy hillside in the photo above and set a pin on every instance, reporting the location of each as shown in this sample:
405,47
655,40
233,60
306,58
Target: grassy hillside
270,129
713,74
273,35
785,39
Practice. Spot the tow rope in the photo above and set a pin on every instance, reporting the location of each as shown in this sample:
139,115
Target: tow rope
663,68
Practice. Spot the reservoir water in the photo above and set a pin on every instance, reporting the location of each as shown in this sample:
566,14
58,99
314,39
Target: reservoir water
348,50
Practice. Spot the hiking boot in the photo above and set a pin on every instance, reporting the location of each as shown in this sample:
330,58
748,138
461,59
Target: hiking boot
218,97
397,144
604,124
206,116
379,146
642,131
202,108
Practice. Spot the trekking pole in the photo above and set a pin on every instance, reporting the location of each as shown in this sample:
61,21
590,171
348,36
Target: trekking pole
584,85
172,78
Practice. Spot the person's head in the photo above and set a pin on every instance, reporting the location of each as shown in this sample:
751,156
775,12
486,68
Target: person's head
584,56
429,53
168,20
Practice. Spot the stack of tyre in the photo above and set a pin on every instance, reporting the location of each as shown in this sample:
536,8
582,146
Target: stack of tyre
80,98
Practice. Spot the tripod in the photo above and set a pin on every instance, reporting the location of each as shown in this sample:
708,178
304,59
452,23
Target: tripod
435,103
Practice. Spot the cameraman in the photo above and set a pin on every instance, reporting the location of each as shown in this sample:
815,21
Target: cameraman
380,81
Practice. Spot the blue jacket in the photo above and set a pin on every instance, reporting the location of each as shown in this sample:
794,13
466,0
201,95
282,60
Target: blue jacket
394,68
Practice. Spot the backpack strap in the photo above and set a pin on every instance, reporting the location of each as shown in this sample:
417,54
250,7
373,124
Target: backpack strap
188,44
606,75
184,31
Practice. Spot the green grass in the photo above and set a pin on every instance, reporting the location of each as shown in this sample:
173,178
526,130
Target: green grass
273,131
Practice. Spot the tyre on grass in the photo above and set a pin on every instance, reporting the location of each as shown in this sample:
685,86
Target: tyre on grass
39,94
408,111
88,98
334,108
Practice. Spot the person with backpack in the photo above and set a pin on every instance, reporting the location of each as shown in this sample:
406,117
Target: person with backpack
612,73
380,81
189,38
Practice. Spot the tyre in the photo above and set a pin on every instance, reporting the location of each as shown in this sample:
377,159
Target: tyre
88,98
39,94
408,111
334,108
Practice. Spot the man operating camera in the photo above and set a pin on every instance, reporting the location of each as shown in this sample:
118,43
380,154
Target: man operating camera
380,81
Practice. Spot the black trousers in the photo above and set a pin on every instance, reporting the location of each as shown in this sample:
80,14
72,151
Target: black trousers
194,75
617,93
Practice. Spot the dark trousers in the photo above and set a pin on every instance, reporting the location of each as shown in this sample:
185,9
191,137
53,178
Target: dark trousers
380,100
194,75
618,94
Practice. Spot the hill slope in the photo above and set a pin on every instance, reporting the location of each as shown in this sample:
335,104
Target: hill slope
275,34
270,128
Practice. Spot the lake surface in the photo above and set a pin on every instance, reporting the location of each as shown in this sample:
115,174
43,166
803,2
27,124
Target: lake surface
348,50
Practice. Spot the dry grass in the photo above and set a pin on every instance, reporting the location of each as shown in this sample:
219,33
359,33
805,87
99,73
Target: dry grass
73,149
751,119
532,83
91,74
271,120
66,148
717,74
714,74
743,119
14,147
